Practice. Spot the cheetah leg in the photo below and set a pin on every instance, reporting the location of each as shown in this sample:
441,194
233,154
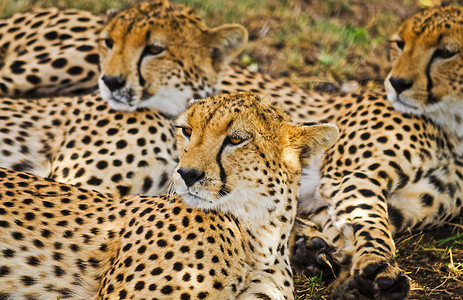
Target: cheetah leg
276,286
359,212
312,253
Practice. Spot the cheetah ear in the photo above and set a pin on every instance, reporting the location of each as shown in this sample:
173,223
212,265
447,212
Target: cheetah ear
313,140
224,43
111,13
192,101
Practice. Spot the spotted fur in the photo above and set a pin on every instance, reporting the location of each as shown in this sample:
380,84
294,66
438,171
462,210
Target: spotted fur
84,142
48,52
146,57
172,71
62,241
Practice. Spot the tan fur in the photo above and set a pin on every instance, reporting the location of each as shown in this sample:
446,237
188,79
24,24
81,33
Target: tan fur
432,42
83,142
207,72
392,171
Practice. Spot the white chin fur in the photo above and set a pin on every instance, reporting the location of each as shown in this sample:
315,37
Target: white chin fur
399,106
238,203
391,94
196,202
447,113
107,95
169,101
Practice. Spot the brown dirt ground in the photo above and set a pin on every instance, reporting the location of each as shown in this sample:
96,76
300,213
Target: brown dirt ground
365,62
362,63
428,262
425,258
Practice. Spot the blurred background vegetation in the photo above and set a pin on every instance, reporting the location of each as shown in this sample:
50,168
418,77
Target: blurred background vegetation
325,45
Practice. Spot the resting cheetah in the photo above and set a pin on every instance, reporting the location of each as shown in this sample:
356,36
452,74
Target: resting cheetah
227,238
81,141
145,55
398,164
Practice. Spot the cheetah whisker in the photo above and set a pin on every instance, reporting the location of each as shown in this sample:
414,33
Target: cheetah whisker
171,187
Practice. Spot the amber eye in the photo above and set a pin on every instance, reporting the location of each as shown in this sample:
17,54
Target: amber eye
154,50
445,53
235,140
400,44
109,43
187,131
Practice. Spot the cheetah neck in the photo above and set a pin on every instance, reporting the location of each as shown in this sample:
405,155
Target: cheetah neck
449,116
267,241
309,198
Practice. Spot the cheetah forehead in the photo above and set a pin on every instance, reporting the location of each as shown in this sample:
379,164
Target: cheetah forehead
238,109
436,21
158,16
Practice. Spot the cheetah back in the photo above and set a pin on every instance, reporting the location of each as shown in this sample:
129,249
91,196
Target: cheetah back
49,52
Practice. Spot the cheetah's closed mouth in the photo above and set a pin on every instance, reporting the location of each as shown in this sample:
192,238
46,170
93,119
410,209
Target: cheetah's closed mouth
193,197
406,104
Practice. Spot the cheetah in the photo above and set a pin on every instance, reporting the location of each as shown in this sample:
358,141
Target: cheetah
224,236
145,55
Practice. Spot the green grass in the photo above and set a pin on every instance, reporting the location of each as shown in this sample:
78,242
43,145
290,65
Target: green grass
309,288
8,7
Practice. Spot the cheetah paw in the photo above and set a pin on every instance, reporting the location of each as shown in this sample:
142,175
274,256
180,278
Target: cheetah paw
314,256
382,280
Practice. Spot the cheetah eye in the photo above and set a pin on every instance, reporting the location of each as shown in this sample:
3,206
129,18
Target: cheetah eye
154,50
109,43
445,53
235,140
186,131
400,44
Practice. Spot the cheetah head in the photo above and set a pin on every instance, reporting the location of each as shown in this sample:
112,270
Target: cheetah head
427,73
237,148
159,55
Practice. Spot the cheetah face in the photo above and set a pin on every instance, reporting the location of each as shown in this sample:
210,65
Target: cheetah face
236,140
427,73
158,55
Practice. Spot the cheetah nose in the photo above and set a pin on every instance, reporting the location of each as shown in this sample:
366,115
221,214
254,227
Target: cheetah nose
400,84
190,176
113,82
